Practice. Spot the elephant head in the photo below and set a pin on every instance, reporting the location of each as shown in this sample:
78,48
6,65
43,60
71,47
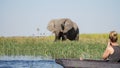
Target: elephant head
63,28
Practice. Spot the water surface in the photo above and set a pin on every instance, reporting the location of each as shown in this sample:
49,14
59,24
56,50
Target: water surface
27,62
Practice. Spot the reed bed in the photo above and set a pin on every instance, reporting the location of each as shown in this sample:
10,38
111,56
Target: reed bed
89,46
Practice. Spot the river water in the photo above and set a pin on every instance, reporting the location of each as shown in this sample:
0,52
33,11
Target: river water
27,62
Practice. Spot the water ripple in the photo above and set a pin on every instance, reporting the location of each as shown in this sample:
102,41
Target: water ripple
27,62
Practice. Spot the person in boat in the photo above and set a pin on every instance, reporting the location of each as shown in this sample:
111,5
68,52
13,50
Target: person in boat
112,52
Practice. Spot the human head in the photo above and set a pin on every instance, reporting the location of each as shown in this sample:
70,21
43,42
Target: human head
113,36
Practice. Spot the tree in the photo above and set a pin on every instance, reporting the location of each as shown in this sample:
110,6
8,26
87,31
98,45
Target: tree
38,31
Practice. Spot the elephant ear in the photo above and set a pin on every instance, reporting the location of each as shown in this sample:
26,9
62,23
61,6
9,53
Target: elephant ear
67,25
61,24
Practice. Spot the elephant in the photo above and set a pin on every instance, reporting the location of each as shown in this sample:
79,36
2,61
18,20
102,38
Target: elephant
63,29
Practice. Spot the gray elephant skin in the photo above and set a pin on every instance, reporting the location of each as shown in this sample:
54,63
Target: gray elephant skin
63,29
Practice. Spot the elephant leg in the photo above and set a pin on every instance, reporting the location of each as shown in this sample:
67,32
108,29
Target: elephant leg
77,37
64,37
60,35
57,37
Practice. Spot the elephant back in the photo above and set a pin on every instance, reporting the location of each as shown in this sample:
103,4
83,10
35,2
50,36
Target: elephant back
75,26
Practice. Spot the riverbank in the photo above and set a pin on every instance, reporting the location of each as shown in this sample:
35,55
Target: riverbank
89,46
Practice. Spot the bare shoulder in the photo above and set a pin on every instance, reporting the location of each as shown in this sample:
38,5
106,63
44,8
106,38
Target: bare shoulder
110,49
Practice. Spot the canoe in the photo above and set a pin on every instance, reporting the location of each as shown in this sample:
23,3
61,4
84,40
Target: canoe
86,63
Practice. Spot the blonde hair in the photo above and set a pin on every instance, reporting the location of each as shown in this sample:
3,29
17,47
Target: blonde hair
113,36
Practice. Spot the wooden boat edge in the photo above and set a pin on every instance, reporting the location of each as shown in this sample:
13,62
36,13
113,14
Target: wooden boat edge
101,62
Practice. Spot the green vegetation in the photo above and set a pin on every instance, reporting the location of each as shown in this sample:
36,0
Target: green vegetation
90,46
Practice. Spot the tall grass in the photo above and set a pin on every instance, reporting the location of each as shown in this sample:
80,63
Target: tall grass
90,46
